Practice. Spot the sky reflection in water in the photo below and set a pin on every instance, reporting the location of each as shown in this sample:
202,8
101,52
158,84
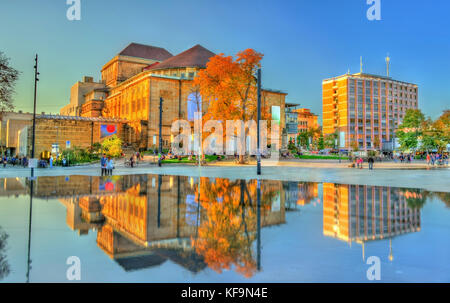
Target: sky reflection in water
150,228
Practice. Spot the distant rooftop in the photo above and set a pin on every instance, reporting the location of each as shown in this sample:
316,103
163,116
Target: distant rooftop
146,52
274,91
368,76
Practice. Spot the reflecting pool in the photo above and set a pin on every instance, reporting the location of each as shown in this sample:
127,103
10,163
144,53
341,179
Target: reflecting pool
154,228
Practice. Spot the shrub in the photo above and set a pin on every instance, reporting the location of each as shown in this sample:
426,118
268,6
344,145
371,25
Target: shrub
112,146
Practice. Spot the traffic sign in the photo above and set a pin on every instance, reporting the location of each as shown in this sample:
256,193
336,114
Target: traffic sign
33,163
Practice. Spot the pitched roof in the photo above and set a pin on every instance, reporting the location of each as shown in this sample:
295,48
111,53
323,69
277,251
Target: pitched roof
151,66
140,262
196,56
146,52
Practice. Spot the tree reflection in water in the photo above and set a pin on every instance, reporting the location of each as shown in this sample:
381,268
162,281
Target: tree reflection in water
417,198
4,265
228,229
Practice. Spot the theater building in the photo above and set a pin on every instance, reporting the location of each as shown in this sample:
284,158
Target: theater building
134,81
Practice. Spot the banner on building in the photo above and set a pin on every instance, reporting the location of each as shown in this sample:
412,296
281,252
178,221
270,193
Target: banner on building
107,130
341,139
55,148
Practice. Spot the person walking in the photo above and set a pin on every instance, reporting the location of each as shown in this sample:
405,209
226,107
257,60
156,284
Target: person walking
138,157
103,160
428,159
371,161
132,161
51,161
109,166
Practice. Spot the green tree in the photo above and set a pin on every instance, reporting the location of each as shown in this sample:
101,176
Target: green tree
354,145
330,140
8,79
411,129
320,143
376,142
112,146
303,139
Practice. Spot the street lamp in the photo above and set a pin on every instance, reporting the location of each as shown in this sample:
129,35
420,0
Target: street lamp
258,141
160,131
36,79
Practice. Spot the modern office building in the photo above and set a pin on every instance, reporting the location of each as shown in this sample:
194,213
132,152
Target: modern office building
299,120
291,122
365,110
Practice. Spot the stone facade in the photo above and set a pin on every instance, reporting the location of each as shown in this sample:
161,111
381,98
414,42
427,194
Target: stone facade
10,125
77,96
137,100
81,133
121,68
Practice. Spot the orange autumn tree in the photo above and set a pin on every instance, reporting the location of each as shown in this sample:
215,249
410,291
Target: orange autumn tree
229,86
226,234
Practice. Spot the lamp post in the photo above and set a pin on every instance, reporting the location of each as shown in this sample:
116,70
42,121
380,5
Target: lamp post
339,147
160,131
159,201
198,116
258,139
36,79
258,225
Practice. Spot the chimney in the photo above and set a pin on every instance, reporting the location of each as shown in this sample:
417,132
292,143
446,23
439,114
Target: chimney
88,79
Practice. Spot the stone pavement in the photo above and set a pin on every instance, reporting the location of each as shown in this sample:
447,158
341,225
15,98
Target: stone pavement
434,179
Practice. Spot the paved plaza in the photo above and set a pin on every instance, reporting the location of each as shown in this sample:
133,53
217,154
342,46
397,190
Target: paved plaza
414,175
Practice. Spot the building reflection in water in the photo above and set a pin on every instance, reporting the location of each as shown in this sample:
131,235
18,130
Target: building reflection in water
360,213
142,221
145,220
300,193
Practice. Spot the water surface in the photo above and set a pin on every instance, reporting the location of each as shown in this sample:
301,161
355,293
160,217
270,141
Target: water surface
150,228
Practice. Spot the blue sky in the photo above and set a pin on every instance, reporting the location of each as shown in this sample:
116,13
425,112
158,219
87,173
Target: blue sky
303,42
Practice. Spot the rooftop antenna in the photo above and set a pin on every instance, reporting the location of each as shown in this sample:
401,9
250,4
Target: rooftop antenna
387,64
361,64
